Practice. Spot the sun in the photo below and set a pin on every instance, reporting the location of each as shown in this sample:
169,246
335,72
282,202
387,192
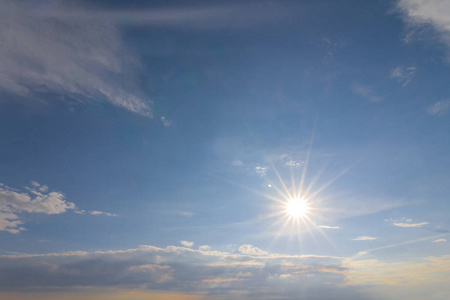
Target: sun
296,208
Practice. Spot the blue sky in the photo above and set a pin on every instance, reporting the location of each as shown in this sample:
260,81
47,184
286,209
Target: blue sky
151,150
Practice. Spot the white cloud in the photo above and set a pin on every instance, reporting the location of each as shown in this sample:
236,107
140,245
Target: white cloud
328,227
204,248
251,250
34,200
54,49
187,244
401,224
439,107
366,92
435,12
440,241
405,222
418,13
403,75
364,238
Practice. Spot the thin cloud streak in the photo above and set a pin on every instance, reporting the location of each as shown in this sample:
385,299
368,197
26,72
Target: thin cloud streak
328,227
414,225
440,241
364,238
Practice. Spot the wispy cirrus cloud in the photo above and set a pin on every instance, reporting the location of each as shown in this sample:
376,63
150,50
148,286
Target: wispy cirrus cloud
439,107
95,213
440,241
78,59
366,92
77,52
403,74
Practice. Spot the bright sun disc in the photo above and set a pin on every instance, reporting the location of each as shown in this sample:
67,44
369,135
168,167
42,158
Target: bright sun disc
296,208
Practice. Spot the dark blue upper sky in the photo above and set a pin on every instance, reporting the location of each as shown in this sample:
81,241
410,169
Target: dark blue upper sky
130,123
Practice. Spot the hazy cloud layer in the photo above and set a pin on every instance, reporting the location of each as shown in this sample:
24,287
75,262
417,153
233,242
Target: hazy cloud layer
418,273
366,92
236,275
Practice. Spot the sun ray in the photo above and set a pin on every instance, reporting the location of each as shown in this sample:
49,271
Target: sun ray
305,166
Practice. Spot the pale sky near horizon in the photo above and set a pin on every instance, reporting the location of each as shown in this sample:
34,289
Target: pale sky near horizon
224,149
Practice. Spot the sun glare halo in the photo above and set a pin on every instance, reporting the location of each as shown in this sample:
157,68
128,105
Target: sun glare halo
297,208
